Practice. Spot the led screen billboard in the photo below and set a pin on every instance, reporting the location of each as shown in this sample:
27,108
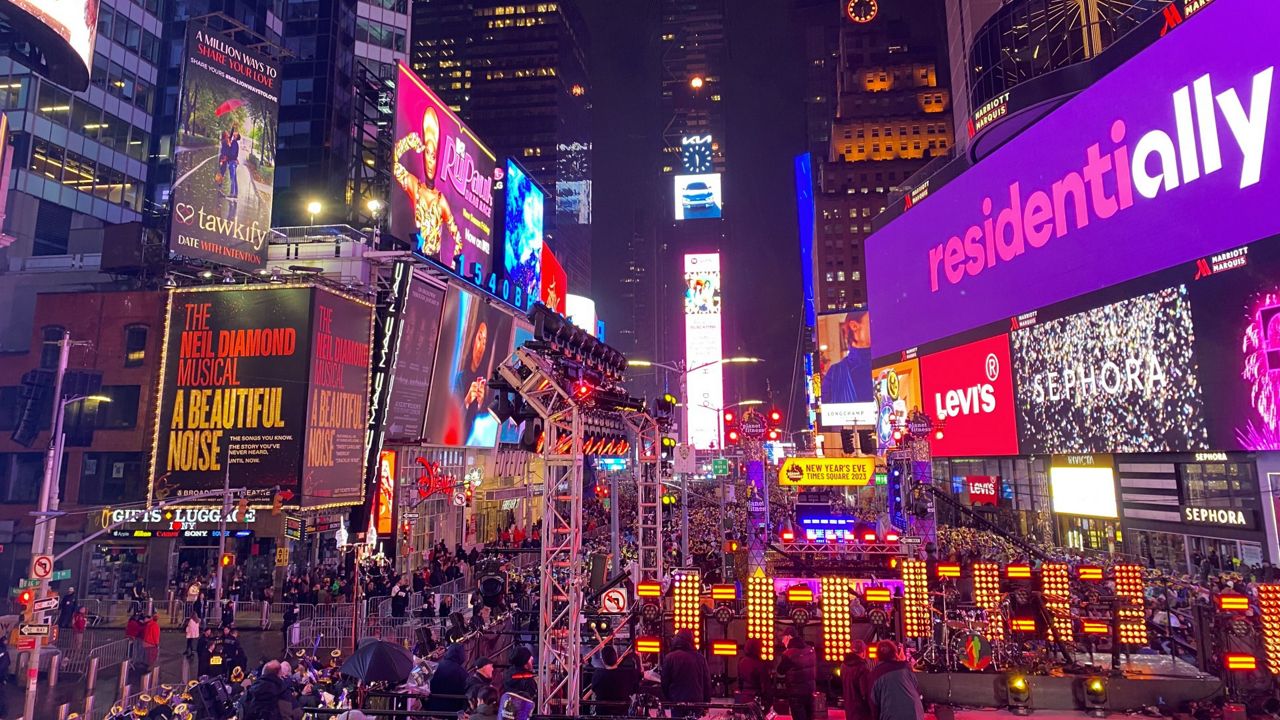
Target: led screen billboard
417,353
1118,378
970,388
385,498
475,335
897,395
581,311
338,403
224,158
1083,485
522,230
521,334
1159,162
443,201
555,282
698,196
843,378
703,349
63,30
272,380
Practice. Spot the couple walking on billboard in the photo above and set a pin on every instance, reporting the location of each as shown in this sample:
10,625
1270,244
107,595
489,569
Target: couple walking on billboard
229,162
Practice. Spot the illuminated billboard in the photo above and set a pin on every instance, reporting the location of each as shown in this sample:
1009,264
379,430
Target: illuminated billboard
843,378
225,153
1083,485
970,389
555,282
703,350
581,311
1158,163
385,498
272,382
698,196
696,154
64,32
419,334
443,203
475,335
897,395
522,235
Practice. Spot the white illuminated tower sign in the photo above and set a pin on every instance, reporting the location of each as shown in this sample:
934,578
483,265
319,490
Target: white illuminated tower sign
703,349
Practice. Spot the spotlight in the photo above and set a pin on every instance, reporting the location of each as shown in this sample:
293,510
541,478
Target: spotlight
1095,696
206,274
228,278
169,282
1018,688
276,279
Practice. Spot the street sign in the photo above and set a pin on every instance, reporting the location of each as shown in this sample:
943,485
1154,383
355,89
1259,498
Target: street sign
410,516
33,630
720,466
45,604
26,643
912,540
459,499
41,566
850,471
282,557
60,575
614,600
686,460
25,583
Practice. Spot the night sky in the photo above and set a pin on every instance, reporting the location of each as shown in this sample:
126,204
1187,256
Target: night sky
765,128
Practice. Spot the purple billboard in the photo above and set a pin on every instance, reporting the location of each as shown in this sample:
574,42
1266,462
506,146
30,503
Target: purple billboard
1160,162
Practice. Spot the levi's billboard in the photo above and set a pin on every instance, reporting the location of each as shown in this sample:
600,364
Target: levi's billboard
970,389
1168,158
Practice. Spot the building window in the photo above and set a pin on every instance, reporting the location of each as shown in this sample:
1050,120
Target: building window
20,477
50,337
122,412
135,345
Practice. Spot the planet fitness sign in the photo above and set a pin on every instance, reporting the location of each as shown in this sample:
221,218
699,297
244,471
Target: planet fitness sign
1161,162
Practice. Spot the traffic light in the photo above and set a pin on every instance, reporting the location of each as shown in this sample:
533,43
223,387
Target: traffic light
668,448
731,432
775,417
774,433
25,597
242,507
228,560
277,503
469,491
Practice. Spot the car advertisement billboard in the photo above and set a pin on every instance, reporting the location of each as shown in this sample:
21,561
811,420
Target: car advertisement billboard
970,389
703,349
1160,162
1118,378
843,377
555,282
698,196
224,157
419,334
231,392
475,335
897,395
443,201
522,246
338,402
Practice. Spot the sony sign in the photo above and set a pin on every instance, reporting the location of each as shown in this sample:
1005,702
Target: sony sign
1164,160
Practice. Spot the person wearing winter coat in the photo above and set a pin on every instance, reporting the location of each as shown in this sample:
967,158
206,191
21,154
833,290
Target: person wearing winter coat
519,678
799,670
755,676
614,684
685,675
481,677
262,701
449,679
193,634
895,694
855,683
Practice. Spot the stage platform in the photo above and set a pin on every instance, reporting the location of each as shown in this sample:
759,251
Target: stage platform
1146,684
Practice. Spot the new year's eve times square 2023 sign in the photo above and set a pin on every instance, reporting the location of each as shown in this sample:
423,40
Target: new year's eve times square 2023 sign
273,381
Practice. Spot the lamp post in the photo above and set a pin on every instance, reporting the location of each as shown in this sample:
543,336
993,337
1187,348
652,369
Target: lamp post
313,209
681,368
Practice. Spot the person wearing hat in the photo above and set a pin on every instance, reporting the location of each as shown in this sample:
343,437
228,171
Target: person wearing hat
481,677
519,678
449,682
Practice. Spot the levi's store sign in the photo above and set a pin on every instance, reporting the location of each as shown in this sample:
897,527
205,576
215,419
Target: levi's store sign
1168,158
970,388
983,489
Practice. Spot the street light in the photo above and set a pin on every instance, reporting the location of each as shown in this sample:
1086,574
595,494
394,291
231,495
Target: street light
313,208
375,206
696,82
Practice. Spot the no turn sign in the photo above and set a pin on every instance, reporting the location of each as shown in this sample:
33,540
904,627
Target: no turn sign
614,600
41,567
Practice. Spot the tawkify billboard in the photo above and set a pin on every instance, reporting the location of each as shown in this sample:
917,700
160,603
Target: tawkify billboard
443,203
1163,160
970,389
225,155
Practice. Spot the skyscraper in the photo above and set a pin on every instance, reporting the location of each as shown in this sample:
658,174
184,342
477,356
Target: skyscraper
517,74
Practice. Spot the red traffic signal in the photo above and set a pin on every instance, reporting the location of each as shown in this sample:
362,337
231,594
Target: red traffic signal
775,417
774,434
732,436
25,597
228,560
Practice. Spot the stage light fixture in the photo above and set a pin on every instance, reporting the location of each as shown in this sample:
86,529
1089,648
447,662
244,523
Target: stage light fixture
686,604
799,594
1131,586
1230,602
761,607
648,644
1018,689
724,648
1269,607
836,621
986,594
1056,584
877,595
1095,696
1090,573
915,599
948,570
725,592
1240,662
1017,572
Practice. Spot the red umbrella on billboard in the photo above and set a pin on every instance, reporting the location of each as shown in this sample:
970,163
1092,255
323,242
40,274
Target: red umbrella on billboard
228,106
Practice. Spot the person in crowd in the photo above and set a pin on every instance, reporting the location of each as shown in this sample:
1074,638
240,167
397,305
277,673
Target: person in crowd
855,683
5,662
192,632
895,694
686,678
755,676
799,669
151,640
78,625
614,684
67,608
487,706
481,678
399,598
449,682
291,615
264,697
519,678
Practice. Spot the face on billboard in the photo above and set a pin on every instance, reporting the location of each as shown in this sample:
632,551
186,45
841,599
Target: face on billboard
384,503
1119,378
474,337
844,369
522,251
698,196
555,282
703,347
1158,163
418,338
224,165
337,415
443,203
970,388
897,393
234,386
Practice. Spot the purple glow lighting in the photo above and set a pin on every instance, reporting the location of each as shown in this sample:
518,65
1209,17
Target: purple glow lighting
1260,346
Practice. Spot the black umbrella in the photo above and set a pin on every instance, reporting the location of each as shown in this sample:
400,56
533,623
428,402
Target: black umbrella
379,661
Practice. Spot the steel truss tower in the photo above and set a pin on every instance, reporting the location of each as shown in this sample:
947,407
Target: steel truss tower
563,577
